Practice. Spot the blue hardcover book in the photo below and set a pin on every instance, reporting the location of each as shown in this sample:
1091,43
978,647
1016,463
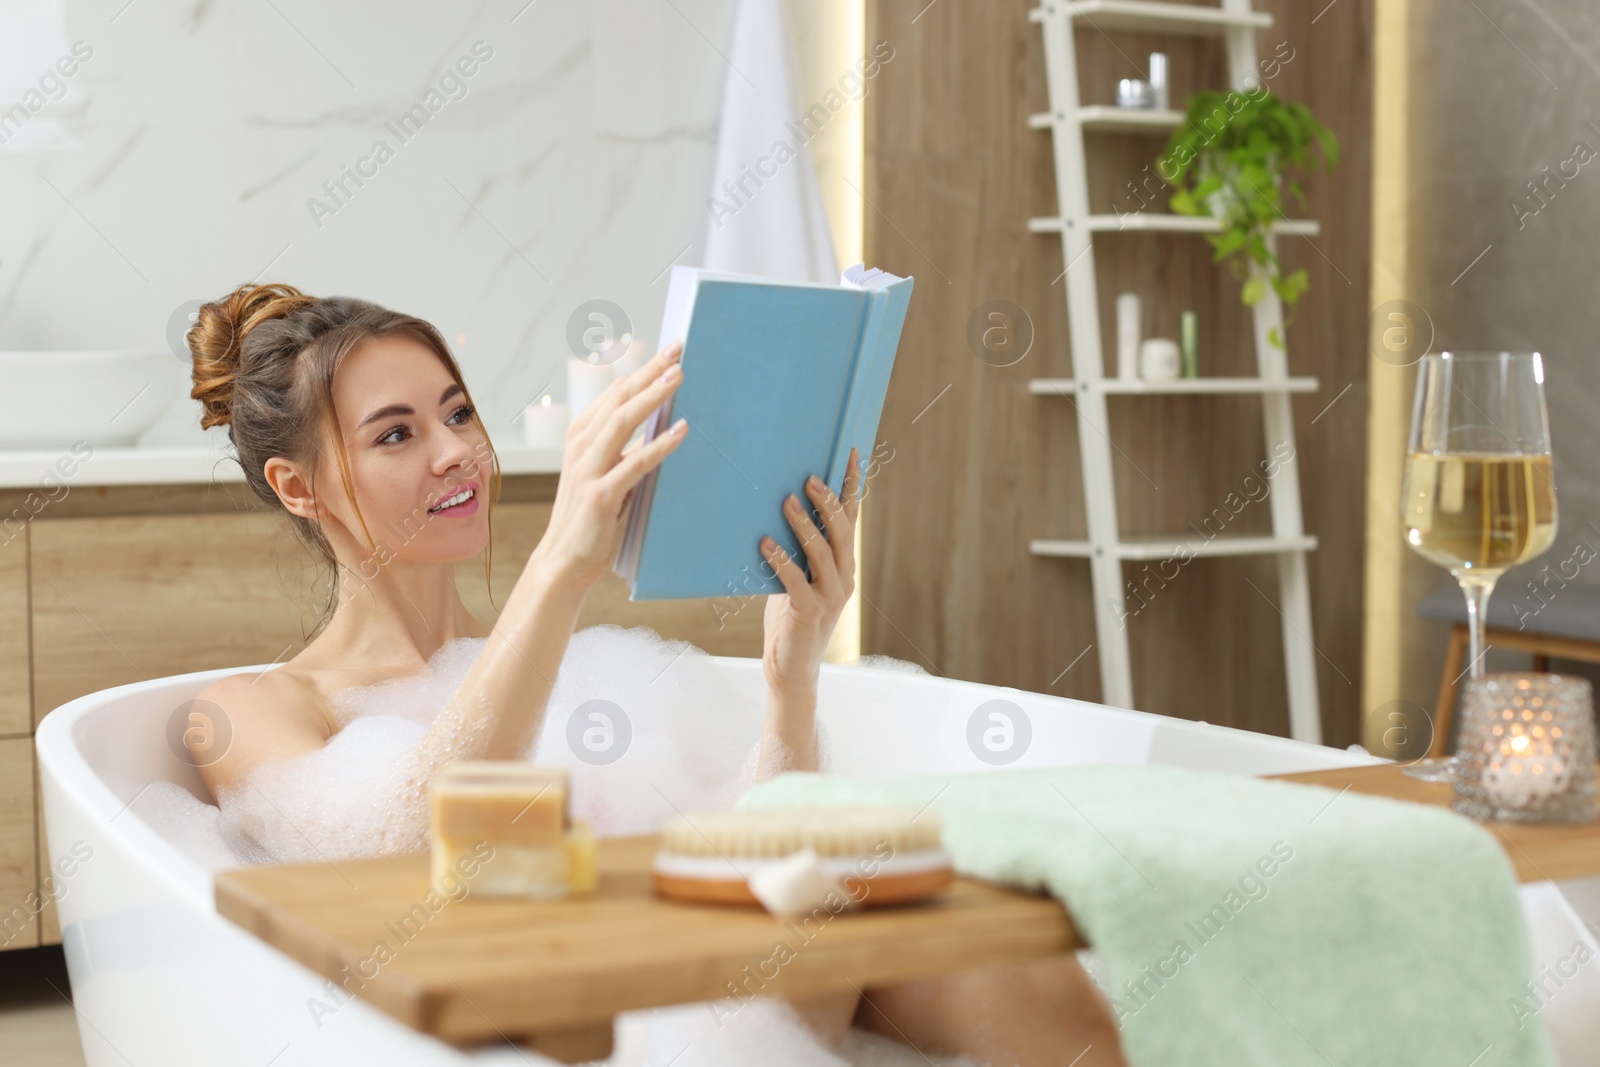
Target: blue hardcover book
780,380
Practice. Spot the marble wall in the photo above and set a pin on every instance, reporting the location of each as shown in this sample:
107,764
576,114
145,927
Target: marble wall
1504,202
487,166
1507,102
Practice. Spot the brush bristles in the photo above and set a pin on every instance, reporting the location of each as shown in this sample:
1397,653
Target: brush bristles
777,832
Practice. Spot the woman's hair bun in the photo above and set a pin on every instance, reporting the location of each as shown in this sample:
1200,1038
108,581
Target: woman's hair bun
216,341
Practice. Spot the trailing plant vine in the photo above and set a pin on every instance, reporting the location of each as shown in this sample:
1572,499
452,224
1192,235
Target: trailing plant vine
1227,161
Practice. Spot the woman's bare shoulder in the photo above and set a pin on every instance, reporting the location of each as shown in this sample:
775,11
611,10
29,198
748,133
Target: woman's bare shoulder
241,720
281,693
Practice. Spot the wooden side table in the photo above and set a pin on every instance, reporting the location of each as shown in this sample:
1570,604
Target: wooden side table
1564,626
1542,646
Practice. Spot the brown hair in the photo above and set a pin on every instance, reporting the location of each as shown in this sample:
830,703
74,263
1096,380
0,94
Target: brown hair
264,361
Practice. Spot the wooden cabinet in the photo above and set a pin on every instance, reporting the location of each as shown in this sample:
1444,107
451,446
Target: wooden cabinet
127,598
118,585
19,876
15,700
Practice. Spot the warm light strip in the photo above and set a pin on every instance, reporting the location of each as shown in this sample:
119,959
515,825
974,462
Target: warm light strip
844,43
1386,613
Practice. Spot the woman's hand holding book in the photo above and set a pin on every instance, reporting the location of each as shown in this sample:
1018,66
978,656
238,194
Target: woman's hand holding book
598,476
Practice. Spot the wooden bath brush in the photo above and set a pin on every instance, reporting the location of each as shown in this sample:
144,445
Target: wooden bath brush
872,855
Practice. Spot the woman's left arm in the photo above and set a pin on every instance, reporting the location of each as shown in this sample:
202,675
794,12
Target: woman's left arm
799,621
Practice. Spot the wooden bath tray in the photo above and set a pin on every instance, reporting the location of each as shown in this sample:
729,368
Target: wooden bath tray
553,974
1538,853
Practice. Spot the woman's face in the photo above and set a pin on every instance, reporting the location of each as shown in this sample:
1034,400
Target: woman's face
413,443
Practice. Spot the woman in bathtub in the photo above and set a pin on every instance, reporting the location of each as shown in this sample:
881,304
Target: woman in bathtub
352,419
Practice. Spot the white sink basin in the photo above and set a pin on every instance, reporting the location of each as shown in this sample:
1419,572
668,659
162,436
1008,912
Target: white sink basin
107,398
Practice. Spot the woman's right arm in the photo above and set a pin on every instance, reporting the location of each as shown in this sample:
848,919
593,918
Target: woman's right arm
499,709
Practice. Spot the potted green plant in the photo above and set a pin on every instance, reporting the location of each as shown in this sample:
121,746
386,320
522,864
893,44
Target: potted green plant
1227,161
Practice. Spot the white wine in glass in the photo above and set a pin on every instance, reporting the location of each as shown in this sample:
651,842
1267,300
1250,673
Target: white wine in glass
1479,514
1480,494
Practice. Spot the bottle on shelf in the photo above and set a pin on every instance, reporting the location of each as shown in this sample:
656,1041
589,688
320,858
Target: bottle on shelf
1189,343
1159,87
1128,327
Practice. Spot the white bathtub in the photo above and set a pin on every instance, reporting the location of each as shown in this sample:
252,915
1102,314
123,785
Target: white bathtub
159,978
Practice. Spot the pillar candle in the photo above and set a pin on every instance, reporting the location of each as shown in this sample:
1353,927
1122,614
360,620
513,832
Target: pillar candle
585,382
544,423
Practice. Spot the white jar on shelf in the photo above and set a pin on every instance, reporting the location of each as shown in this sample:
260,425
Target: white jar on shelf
1159,359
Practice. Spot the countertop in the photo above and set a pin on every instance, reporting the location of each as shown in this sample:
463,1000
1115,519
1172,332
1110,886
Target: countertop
185,465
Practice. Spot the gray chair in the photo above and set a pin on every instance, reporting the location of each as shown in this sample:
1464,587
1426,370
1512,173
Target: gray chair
1559,621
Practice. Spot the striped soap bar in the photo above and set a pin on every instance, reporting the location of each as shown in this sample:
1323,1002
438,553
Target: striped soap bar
506,827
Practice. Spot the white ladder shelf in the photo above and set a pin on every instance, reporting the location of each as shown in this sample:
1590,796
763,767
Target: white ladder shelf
1105,550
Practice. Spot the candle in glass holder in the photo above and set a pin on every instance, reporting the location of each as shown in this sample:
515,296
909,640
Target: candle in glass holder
1526,751
544,423
1522,772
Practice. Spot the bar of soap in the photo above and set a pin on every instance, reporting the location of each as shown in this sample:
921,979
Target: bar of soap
501,801
506,826
583,860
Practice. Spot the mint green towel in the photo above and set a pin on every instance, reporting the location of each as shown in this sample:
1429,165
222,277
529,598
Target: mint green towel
1243,921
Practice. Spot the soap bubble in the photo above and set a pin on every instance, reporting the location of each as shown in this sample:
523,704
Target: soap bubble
761,1029
598,732
341,801
687,738
418,697
190,824
889,663
687,741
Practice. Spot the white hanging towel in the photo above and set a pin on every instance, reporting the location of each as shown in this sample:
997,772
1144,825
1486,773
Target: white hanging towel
765,208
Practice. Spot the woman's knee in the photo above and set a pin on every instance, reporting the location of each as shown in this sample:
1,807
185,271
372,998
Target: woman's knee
1007,1008
827,1015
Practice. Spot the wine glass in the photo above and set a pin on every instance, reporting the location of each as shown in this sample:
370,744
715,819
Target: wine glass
1479,493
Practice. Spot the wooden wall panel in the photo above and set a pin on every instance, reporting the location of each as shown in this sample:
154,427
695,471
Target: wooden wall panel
15,699
721,627
952,174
